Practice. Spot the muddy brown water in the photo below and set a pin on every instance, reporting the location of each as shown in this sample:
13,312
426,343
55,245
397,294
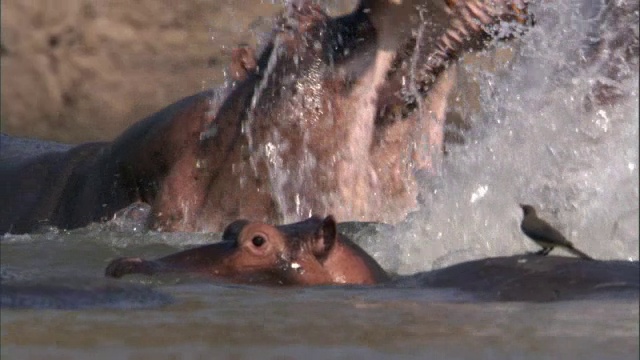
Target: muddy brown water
531,141
57,305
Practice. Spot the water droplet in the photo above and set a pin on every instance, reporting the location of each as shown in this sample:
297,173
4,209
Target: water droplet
201,163
209,133
480,192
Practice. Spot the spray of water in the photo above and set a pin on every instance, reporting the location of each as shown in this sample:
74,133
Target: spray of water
535,142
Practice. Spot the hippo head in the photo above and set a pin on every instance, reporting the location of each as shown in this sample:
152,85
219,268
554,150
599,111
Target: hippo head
250,252
315,252
288,254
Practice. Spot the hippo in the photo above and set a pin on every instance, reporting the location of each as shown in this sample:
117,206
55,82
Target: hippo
312,252
531,277
332,110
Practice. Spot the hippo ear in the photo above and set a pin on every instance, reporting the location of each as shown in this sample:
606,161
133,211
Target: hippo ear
325,237
233,230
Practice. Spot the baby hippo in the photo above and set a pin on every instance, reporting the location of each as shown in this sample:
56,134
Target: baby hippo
310,252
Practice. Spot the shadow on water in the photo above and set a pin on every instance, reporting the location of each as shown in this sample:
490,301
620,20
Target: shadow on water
74,296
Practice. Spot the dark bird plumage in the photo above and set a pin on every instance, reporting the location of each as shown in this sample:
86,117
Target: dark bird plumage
545,235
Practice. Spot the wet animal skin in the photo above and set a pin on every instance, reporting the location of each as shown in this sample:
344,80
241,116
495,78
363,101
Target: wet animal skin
309,252
302,130
312,252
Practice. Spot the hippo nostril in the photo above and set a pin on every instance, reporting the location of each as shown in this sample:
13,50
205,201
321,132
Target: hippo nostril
258,241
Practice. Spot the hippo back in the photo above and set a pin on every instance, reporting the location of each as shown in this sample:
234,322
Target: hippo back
35,176
14,148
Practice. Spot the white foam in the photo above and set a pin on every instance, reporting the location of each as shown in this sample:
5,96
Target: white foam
533,142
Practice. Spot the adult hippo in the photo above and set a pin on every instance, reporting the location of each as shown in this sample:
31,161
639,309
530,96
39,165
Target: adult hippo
335,115
313,252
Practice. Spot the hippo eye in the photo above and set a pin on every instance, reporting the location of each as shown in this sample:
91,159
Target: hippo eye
258,241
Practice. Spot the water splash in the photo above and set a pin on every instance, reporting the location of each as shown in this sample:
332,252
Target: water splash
533,141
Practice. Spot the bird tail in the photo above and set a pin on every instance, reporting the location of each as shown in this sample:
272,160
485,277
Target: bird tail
579,253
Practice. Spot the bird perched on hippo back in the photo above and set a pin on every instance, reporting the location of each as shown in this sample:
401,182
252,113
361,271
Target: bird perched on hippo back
544,234
313,252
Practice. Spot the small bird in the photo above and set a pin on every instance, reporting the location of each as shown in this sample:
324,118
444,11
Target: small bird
545,235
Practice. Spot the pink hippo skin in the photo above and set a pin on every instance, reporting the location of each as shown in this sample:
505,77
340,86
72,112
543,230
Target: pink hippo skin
336,115
309,252
312,252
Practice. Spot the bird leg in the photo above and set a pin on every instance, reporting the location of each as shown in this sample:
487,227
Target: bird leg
545,251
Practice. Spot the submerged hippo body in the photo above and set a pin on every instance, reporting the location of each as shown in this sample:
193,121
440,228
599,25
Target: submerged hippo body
537,278
309,252
312,252
320,120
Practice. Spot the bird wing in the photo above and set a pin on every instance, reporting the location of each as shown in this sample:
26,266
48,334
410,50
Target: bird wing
542,231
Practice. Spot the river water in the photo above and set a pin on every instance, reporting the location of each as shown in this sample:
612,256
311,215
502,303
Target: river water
532,140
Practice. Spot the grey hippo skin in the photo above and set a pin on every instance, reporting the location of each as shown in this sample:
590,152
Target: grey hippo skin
313,252
321,119
538,278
